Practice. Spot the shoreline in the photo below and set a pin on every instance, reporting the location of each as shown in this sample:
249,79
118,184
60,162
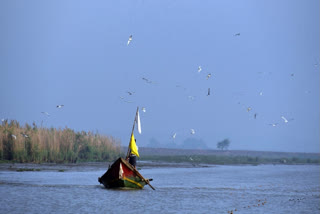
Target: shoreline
103,166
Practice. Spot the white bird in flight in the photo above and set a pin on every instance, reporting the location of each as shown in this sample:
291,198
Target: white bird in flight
199,69
60,106
24,135
15,137
273,124
129,40
192,131
144,109
191,97
208,76
45,113
174,135
285,119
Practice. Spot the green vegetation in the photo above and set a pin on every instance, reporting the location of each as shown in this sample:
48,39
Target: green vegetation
225,160
32,144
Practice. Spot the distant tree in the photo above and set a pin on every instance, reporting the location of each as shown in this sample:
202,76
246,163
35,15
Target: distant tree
223,144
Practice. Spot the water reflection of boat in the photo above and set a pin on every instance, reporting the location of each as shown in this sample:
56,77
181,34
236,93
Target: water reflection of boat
121,174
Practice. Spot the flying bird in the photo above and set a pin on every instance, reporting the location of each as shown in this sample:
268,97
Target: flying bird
208,76
24,135
130,93
199,69
285,119
248,109
147,81
273,124
237,34
174,135
192,131
191,97
144,109
60,106
260,93
129,40
15,137
208,92
179,86
127,101
255,116
45,113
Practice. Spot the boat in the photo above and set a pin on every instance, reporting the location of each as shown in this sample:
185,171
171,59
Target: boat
121,174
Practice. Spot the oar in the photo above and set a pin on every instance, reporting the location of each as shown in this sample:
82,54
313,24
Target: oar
146,180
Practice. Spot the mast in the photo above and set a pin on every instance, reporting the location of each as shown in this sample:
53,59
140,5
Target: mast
134,123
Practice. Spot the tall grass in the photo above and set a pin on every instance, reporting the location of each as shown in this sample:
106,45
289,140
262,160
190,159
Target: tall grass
32,144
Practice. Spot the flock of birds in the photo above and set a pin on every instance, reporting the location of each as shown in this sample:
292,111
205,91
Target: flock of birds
47,114
14,136
148,81
190,97
208,76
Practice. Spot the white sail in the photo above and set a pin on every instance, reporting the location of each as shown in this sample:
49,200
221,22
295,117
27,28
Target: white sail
138,122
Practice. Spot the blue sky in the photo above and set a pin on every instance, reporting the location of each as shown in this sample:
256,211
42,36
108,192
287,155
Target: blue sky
75,53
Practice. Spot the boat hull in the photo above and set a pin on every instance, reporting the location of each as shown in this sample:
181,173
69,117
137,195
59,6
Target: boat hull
121,174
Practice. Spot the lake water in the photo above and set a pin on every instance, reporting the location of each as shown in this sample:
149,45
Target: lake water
179,189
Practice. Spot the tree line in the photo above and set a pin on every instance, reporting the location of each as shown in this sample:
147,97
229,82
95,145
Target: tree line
228,159
32,144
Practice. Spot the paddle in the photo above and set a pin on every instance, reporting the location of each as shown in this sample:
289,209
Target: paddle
146,180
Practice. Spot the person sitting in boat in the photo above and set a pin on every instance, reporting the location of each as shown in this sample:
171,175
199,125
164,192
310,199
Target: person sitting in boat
133,160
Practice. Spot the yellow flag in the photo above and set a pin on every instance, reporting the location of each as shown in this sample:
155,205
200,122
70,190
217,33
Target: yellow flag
133,146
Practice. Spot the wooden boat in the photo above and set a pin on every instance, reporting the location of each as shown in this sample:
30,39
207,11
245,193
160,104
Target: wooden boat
121,174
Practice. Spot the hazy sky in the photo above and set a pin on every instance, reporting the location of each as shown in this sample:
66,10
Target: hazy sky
75,53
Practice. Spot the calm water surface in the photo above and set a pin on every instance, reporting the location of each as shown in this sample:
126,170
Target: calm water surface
180,189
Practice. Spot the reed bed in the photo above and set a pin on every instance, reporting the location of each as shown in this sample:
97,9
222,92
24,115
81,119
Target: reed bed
32,144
